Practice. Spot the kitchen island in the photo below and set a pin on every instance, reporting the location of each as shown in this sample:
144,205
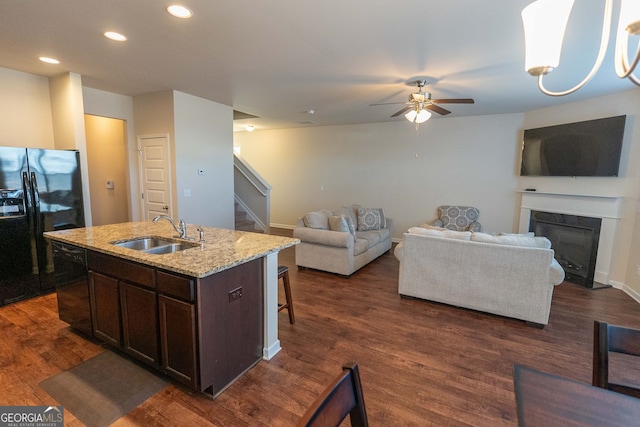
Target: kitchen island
203,314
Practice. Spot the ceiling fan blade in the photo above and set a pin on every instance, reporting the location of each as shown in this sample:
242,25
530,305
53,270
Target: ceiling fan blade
404,110
389,103
453,101
437,109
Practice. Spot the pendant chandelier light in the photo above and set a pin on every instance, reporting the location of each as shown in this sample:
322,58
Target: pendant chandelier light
545,22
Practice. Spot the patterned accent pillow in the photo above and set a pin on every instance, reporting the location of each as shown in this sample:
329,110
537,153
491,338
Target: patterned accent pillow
458,217
371,219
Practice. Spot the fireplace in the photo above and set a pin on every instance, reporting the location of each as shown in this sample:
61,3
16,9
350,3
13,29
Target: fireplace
574,240
604,208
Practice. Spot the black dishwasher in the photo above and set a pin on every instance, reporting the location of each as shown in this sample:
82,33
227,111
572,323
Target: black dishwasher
72,286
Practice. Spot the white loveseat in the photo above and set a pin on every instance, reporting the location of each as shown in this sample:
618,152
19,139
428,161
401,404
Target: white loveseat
342,241
507,275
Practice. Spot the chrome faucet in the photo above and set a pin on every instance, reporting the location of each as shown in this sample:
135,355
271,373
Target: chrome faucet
181,228
201,231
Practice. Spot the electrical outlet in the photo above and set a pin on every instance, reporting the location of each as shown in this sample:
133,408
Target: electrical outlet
638,270
235,294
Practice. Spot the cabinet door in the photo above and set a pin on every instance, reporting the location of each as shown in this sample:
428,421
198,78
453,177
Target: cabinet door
105,308
139,323
178,338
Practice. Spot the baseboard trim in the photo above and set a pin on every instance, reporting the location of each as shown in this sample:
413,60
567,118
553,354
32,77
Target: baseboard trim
626,289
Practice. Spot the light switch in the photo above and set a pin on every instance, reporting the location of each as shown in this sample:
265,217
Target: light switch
187,192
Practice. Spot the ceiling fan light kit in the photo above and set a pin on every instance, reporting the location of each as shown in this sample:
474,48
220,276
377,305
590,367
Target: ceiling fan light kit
545,22
416,116
420,105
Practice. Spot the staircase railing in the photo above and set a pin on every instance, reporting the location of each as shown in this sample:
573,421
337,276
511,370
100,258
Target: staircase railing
252,192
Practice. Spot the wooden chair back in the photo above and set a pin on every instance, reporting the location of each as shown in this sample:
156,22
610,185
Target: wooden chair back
341,398
617,339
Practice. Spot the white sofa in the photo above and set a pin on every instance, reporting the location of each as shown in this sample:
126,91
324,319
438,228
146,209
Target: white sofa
341,248
509,275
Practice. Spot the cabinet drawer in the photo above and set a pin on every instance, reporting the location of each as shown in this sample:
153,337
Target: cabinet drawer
129,271
176,286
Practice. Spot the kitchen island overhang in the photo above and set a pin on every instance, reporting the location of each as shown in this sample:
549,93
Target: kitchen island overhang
221,250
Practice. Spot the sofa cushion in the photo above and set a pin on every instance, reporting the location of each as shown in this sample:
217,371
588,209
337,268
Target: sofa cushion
316,220
370,219
360,246
341,223
373,237
445,233
351,212
513,240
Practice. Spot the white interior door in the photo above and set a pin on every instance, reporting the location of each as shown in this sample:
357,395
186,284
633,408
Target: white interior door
155,176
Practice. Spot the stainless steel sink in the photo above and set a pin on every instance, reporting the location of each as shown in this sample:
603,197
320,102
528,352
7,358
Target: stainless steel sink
171,248
143,243
154,245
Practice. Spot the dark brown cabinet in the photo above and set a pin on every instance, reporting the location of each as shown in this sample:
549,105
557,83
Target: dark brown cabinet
105,308
178,339
177,312
204,332
139,323
124,306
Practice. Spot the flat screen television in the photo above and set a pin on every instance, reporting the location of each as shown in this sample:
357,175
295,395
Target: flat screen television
589,148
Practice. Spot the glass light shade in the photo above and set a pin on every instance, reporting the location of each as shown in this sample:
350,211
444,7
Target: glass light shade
418,117
411,115
423,116
630,16
544,24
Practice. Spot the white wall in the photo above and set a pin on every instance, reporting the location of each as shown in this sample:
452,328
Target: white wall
463,161
626,254
466,160
25,110
204,140
107,104
201,135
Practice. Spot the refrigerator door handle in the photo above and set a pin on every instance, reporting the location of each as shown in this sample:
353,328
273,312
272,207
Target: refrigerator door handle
26,190
36,205
34,186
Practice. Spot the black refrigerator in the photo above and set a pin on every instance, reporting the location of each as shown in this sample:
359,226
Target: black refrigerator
40,190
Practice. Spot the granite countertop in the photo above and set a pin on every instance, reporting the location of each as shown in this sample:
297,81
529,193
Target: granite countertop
221,250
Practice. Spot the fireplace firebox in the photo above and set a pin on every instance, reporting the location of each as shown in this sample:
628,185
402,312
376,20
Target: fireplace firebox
574,240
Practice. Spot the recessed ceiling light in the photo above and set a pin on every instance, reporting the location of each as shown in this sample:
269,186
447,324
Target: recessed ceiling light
49,60
179,11
250,128
115,36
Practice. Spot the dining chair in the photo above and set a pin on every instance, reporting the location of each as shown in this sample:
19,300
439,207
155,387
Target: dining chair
341,398
613,339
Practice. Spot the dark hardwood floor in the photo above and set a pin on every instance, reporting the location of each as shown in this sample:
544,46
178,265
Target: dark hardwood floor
421,363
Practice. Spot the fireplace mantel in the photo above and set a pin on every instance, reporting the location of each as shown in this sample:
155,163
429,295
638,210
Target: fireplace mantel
605,207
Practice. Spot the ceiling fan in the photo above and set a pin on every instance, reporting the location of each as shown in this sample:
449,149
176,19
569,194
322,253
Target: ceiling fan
421,101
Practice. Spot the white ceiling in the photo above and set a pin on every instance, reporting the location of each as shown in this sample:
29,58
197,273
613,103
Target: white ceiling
278,59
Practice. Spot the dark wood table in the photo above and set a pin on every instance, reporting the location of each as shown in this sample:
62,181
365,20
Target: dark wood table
548,400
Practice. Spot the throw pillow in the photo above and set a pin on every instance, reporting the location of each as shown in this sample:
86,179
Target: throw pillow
371,219
339,223
445,233
527,234
316,220
513,240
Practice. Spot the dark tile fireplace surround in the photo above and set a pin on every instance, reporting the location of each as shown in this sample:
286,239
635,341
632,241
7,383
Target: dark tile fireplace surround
567,220
574,240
